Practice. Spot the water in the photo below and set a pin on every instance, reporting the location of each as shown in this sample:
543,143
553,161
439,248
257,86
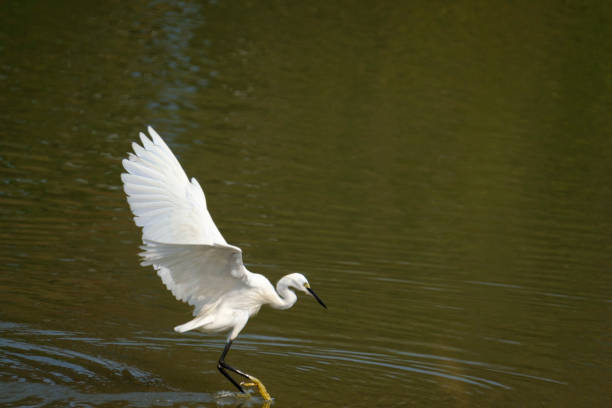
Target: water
440,172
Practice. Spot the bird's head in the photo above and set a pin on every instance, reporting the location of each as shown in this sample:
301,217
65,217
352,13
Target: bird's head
299,282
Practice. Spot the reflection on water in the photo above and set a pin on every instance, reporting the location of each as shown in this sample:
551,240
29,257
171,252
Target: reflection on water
439,172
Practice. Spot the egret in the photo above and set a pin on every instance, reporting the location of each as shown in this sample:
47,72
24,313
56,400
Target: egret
193,260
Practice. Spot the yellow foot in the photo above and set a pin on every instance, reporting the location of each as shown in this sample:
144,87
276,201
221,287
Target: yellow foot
262,389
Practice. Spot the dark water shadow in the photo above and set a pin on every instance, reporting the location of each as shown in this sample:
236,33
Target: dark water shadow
36,374
40,395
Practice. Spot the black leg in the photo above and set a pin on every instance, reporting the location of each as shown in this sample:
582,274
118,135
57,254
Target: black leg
222,366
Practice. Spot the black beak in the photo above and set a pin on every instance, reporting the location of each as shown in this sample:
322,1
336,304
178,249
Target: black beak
314,295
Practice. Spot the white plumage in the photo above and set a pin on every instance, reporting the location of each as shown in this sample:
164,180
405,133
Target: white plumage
165,204
193,260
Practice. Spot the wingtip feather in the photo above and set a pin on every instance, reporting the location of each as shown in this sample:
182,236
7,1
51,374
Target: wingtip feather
146,143
152,131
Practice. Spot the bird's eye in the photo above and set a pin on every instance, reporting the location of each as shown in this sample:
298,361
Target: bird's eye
306,285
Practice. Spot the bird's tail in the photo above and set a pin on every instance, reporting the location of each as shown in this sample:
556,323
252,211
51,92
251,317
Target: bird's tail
192,324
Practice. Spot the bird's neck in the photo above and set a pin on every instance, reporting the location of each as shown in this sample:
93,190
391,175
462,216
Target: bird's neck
286,297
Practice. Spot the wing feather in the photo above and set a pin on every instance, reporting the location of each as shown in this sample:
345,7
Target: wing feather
197,274
168,206
181,241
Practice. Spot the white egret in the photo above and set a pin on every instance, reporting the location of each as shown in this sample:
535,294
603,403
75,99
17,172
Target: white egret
193,260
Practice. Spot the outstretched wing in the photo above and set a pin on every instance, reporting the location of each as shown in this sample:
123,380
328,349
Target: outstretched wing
165,204
181,241
197,274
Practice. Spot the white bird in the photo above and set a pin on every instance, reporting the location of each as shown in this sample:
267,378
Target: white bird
193,260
